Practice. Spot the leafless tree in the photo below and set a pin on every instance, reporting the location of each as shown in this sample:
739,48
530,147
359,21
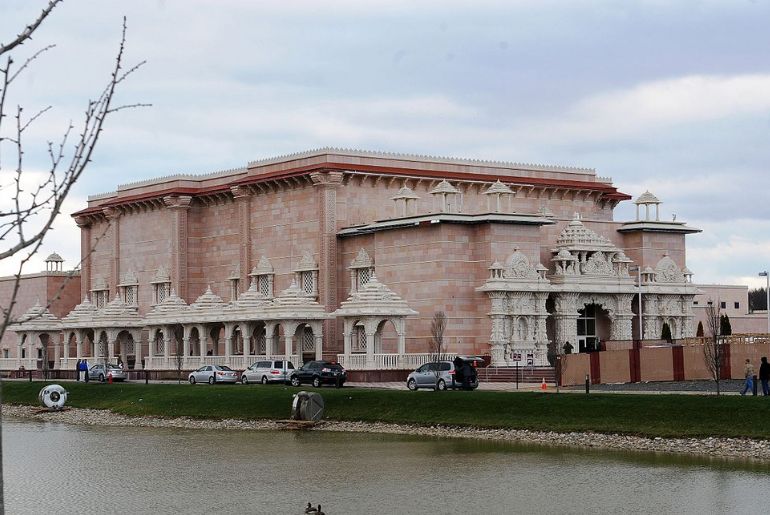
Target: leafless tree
178,354
437,327
33,210
713,346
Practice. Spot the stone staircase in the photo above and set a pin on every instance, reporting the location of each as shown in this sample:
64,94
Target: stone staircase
508,375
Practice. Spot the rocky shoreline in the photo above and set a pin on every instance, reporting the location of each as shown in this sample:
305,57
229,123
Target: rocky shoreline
734,448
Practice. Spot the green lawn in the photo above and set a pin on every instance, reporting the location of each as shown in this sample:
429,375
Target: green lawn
650,415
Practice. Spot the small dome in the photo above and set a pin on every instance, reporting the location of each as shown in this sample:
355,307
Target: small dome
647,198
54,257
498,187
444,187
405,193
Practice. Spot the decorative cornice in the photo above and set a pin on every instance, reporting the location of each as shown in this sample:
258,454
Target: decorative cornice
327,178
177,201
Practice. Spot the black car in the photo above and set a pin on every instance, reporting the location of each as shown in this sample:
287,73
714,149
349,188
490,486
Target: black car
318,373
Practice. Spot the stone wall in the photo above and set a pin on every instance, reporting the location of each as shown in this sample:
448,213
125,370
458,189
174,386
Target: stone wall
658,364
65,291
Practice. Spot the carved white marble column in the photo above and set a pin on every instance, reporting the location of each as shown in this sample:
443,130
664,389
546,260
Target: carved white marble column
497,339
111,350
622,327
319,344
288,340
369,349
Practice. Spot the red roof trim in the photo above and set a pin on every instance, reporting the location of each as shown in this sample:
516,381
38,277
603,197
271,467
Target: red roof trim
610,192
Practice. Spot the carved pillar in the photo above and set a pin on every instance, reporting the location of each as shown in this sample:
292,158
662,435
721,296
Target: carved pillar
327,184
652,329
247,342
179,206
113,218
369,349
347,337
166,347
566,319
242,198
288,348
269,340
66,348
319,345
78,344
111,349
85,254
497,338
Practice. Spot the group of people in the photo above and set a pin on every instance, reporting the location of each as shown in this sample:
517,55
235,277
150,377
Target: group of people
764,376
82,370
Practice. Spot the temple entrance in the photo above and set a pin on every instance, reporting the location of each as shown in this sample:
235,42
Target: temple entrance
592,324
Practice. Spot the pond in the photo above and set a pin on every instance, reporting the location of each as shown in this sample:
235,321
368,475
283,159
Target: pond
56,468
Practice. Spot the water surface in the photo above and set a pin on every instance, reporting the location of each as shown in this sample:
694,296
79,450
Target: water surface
56,468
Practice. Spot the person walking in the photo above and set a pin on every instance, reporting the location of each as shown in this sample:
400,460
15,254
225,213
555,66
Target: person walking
77,371
748,372
764,376
84,364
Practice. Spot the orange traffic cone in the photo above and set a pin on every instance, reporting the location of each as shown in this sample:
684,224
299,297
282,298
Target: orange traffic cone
543,386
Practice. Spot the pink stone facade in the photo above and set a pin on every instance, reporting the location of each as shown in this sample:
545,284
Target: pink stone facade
63,288
434,249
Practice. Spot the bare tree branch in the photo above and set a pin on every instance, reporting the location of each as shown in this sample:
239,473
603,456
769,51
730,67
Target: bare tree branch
713,346
29,29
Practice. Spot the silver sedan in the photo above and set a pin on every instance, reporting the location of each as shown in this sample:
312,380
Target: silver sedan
213,374
103,372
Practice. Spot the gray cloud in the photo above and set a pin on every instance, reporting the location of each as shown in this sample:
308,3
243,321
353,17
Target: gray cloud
669,96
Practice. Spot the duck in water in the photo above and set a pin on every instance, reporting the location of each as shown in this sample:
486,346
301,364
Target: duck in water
310,509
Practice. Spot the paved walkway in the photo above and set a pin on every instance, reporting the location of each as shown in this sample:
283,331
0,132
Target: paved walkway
732,387
682,388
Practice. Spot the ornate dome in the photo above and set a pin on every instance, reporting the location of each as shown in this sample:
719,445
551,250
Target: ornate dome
209,300
577,235
647,198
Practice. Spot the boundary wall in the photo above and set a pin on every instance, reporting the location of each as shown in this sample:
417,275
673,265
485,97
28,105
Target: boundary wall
664,363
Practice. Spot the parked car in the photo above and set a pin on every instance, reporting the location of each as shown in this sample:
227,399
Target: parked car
268,371
102,373
318,373
459,373
213,374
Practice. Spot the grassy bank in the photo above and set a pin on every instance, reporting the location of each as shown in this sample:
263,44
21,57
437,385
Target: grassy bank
646,415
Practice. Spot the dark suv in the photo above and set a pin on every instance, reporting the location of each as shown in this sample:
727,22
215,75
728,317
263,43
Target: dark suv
318,373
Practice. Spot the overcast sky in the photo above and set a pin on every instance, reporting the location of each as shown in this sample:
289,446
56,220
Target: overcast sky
668,96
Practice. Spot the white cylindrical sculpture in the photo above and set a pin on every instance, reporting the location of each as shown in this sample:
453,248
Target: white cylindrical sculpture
53,397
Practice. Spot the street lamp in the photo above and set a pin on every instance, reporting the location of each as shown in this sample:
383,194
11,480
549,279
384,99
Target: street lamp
767,292
639,285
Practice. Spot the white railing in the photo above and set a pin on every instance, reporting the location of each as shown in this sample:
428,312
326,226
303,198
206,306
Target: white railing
15,364
10,364
238,362
352,361
361,361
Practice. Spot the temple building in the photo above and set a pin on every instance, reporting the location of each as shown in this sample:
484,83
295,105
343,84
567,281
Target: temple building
347,255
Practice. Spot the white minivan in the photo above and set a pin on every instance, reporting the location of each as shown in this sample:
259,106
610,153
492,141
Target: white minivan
267,371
